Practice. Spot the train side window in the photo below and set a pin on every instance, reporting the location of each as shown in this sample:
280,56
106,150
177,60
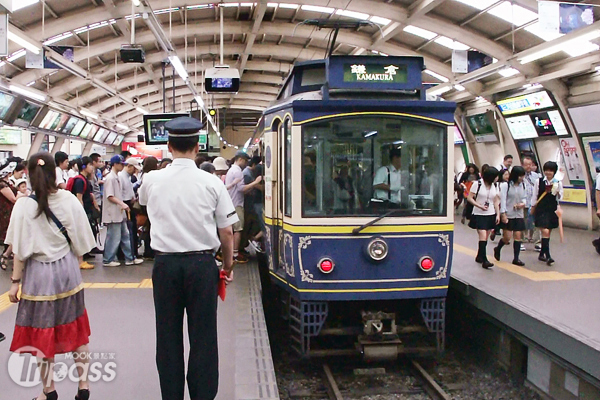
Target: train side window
287,134
363,166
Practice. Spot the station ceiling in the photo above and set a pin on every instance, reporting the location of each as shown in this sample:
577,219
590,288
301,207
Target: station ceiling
264,39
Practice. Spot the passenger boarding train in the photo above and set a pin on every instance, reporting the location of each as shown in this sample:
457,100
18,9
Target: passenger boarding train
358,203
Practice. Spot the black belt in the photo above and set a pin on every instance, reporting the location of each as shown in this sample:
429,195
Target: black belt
187,253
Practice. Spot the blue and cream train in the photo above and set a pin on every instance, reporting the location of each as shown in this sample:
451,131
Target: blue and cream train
335,243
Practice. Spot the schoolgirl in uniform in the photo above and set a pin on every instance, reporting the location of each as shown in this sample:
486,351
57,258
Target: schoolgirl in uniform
484,197
548,191
513,197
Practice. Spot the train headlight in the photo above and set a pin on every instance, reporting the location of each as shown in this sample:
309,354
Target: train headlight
426,264
326,265
378,249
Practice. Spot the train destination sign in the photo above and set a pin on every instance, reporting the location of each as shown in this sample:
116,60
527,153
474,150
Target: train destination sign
375,73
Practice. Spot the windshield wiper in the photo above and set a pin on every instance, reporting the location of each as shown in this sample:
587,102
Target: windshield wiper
356,231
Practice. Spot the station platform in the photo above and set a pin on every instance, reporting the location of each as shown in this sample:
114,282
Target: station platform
121,311
553,308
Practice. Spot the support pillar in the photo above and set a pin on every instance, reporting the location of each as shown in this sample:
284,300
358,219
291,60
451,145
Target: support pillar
57,145
36,144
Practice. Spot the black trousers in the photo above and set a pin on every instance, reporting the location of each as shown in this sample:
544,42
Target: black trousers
186,282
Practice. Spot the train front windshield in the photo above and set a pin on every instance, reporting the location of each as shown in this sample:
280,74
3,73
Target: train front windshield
367,166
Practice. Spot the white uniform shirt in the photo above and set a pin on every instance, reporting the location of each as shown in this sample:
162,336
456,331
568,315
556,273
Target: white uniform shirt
186,205
39,238
485,196
536,190
126,186
597,181
61,176
395,182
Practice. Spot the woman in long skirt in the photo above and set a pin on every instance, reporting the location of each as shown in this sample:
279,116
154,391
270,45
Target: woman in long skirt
484,197
51,318
513,198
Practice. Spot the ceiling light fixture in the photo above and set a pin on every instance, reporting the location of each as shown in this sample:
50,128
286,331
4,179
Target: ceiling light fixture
564,46
136,3
88,113
23,42
439,90
27,93
176,63
141,110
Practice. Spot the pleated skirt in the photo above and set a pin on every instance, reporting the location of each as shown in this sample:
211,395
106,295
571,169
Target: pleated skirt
51,318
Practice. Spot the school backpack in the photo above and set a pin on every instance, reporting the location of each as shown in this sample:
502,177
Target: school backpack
71,183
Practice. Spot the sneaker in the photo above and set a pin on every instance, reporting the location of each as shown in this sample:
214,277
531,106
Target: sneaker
257,246
219,263
112,264
523,247
136,261
538,247
550,261
543,258
86,265
240,259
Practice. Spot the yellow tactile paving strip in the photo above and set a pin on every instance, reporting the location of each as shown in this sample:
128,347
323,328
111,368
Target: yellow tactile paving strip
144,284
542,276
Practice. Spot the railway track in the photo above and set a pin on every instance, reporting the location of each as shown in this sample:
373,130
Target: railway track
429,385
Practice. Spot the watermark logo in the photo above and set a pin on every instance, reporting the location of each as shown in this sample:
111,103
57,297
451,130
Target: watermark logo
24,371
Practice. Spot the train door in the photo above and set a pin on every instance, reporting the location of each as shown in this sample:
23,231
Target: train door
272,198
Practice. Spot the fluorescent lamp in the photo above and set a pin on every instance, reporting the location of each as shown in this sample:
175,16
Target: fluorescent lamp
369,134
88,113
25,43
423,33
136,3
199,101
380,20
508,72
326,10
437,76
288,5
16,55
17,5
176,63
597,68
352,14
460,88
141,110
564,46
451,44
27,93
438,91
122,126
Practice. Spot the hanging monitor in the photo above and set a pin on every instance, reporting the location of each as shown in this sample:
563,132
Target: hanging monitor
222,79
154,127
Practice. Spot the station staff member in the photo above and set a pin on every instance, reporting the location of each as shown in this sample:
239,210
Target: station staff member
187,206
387,184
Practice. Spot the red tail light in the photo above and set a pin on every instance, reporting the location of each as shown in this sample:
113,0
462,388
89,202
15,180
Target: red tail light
426,264
326,266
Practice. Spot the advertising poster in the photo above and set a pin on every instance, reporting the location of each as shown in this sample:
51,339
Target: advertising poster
595,151
572,159
527,149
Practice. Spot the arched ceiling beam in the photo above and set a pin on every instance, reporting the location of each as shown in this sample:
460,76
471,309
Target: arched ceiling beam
232,27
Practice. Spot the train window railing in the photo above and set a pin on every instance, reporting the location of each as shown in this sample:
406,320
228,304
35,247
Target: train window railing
367,166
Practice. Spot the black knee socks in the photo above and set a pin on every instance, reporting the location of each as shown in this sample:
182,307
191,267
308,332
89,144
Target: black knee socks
501,244
517,249
481,254
545,247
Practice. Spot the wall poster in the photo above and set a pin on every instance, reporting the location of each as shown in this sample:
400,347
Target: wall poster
572,160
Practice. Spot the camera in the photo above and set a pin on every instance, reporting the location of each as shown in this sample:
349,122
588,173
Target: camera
487,204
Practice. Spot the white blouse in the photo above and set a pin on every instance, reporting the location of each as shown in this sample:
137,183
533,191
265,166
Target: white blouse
39,237
484,196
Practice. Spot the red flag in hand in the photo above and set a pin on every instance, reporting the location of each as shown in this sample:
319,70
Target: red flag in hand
222,290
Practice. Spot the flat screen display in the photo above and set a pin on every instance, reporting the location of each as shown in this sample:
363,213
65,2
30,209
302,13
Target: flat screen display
10,136
222,85
87,131
154,127
48,119
527,102
480,124
27,114
101,135
559,124
68,127
62,122
118,140
54,123
110,138
78,127
6,101
575,16
521,127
